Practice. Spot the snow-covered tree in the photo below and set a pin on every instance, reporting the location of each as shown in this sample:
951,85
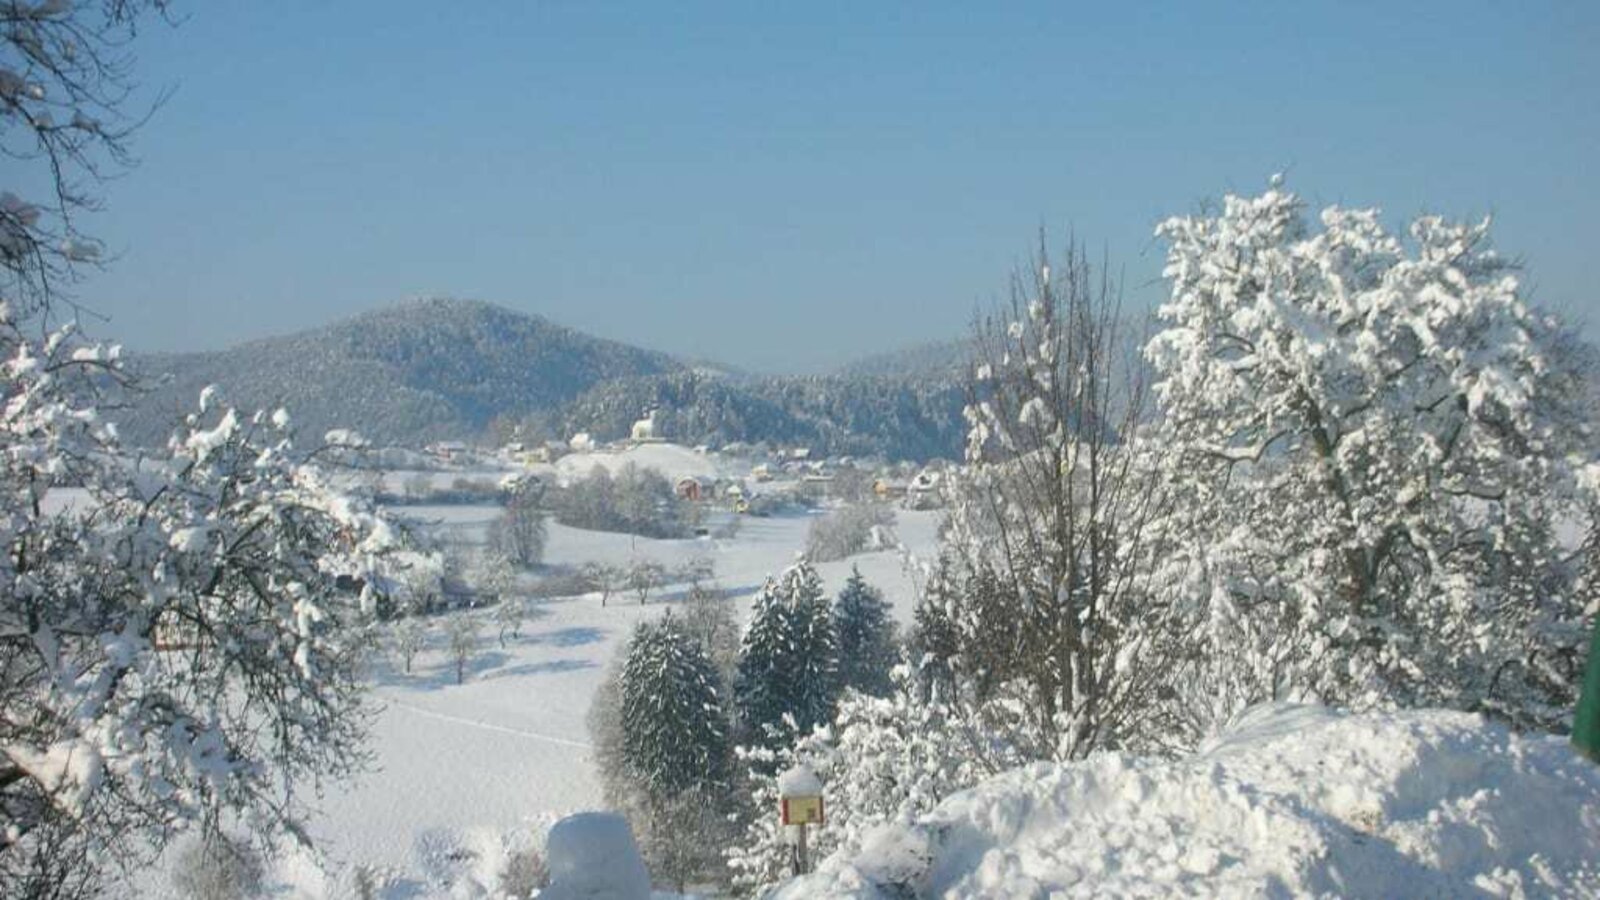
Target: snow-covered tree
461,636
65,87
709,617
674,749
408,635
604,578
674,731
788,662
865,636
1380,444
1047,532
519,535
180,638
644,576
509,614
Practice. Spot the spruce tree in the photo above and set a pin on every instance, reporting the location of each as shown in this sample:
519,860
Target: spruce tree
674,737
865,637
788,660
935,644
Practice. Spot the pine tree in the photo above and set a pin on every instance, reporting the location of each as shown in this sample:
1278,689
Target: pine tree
935,643
788,661
674,736
865,637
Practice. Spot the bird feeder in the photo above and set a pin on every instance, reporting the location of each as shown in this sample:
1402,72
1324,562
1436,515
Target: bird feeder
800,805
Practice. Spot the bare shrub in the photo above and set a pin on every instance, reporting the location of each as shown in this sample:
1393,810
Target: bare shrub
848,531
219,867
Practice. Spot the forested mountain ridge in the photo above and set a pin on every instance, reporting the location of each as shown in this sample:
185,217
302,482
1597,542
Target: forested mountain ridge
447,369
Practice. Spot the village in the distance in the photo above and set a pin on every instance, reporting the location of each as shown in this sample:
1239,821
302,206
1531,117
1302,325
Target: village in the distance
637,451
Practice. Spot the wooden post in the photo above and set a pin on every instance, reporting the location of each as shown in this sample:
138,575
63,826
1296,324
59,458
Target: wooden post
801,864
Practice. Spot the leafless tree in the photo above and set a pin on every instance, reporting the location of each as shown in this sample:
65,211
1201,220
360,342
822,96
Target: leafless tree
462,633
605,578
69,106
644,576
1054,509
410,636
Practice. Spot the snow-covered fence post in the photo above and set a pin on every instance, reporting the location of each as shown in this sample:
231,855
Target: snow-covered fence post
800,801
1586,726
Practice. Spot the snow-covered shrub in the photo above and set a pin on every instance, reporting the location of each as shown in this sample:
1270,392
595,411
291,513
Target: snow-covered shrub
219,867
884,760
850,530
524,874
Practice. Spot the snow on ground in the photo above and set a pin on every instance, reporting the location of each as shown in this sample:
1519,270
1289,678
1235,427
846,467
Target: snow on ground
1292,801
463,770
672,460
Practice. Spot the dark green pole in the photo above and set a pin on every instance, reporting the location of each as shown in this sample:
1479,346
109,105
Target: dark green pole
1586,726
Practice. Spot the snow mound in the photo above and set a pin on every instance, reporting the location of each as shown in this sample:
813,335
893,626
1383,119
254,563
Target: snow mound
592,855
672,460
1292,800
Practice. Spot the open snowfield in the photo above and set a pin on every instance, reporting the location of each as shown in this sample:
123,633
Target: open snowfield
463,770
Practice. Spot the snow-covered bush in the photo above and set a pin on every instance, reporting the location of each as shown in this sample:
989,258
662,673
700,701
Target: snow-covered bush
1378,443
219,867
884,760
523,874
850,530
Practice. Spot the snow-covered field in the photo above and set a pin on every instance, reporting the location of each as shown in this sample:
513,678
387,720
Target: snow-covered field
463,770
1291,802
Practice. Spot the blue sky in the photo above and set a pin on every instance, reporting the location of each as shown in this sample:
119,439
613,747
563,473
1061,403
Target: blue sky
786,188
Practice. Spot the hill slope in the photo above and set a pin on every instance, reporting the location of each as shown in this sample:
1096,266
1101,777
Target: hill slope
435,369
418,371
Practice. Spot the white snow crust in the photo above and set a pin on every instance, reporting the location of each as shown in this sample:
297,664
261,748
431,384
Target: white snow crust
1290,801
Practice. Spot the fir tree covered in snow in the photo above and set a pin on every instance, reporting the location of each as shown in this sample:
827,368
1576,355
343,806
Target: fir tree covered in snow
673,753
865,636
787,679
674,728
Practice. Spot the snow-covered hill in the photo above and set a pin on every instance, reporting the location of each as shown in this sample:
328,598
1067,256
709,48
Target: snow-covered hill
1292,801
417,371
444,369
